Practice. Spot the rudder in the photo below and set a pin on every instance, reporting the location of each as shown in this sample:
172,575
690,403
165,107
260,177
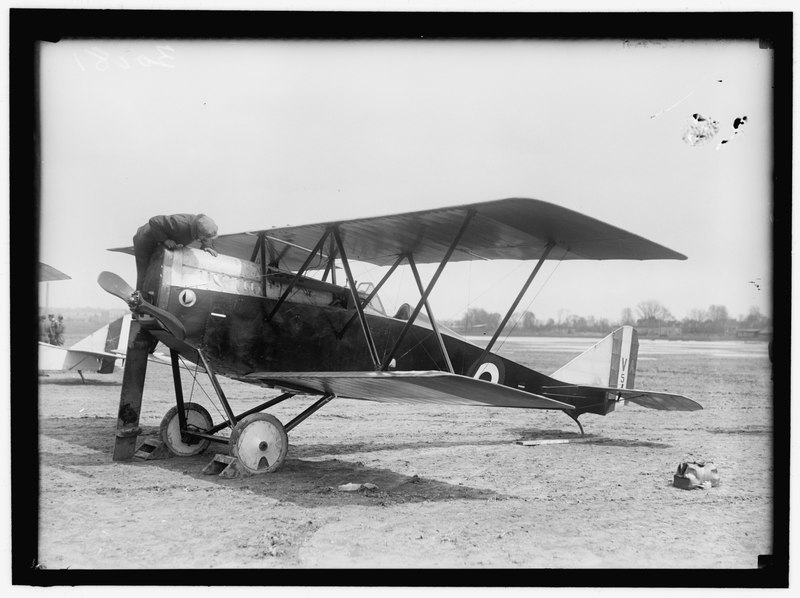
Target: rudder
111,338
610,362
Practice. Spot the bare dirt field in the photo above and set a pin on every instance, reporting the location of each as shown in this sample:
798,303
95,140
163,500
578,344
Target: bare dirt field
454,490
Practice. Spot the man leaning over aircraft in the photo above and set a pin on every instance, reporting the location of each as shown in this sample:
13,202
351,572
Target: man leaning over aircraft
172,232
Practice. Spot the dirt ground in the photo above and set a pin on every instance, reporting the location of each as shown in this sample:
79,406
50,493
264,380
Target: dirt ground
454,490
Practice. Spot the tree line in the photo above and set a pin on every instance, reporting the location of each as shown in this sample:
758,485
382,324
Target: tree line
651,319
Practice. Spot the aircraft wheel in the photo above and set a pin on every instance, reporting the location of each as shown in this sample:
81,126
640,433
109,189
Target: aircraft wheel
197,417
260,443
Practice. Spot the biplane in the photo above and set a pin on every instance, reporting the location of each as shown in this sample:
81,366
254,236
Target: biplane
98,352
255,314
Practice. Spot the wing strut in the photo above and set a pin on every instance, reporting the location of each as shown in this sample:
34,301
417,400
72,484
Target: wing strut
502,325
372,294
373,351
176,378
311,256
434,325
214,383
331,265
261,250
388,359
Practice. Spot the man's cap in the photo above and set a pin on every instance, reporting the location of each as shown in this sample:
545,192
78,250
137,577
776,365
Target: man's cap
206,227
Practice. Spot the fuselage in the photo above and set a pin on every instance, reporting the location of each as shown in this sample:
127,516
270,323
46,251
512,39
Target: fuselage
226,305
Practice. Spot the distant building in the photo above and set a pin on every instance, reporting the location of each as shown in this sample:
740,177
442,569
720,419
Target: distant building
747,333
669,330
655,328
761,334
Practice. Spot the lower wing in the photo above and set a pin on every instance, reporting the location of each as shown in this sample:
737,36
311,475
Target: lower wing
407,387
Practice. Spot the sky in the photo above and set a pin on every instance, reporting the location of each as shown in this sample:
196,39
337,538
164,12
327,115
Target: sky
271,133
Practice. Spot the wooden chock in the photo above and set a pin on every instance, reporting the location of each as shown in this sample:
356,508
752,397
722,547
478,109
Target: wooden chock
226,466
152,449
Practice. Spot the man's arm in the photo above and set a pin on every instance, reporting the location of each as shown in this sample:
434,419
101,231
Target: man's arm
207,245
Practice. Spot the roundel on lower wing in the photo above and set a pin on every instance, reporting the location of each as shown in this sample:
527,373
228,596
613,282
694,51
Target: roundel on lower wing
491,370
187,297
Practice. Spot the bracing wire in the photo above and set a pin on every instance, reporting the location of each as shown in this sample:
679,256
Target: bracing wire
489,287
469,292
193,374
536,294
469,303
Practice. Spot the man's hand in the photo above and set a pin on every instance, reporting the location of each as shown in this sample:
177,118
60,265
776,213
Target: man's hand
211,251
170,244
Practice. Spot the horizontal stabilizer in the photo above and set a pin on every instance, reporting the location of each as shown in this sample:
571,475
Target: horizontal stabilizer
663,401
431,387
59,359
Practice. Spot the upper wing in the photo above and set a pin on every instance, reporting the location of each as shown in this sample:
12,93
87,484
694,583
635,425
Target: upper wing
663,401
407,387
514,228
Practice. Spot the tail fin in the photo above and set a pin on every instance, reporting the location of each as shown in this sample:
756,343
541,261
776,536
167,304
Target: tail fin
111,338
604,374
609,363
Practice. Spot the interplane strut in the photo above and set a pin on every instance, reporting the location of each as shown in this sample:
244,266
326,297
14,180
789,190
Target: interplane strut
511,309
434,325
373,351
388,359
372,294
299,274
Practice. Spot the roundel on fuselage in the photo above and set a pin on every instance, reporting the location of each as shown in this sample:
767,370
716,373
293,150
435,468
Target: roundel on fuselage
491,370
187,297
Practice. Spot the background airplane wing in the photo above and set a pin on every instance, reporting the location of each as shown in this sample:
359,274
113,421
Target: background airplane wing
48,273
407,387
514,228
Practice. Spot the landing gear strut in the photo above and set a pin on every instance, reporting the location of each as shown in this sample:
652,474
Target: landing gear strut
258,441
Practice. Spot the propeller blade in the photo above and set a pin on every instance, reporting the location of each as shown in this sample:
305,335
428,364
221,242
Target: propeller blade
116,285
